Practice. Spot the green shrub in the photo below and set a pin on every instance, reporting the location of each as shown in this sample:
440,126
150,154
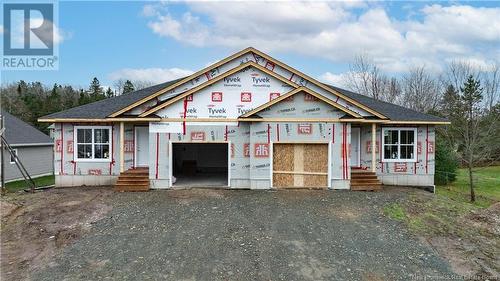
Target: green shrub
446,163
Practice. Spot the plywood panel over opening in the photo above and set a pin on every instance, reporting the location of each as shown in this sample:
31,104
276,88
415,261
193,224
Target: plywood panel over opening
300,165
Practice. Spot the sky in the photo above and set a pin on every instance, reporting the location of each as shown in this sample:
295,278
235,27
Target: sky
161,41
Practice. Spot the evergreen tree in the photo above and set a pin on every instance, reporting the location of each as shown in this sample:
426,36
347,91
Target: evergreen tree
128,87
470,134
95,90
109,93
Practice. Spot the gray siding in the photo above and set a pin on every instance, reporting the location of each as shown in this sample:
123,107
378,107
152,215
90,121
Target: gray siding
37,160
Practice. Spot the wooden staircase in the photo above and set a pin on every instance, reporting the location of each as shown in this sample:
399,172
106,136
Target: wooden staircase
364,180
133,180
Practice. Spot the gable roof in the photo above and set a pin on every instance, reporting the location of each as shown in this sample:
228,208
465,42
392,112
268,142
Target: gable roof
392,111
294,92
178,82
255,53
103,108
18,132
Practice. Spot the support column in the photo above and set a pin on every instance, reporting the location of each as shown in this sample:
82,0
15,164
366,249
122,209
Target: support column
374,147
122,141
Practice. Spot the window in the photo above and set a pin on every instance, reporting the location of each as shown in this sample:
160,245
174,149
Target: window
399,144
12,160
93,143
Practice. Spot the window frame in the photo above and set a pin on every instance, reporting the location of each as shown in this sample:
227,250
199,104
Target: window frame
10,156
93,128
399,129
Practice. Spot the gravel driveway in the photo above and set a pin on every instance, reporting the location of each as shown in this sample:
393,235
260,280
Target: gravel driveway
247,235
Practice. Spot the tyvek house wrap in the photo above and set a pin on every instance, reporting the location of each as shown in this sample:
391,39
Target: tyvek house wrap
246,76
419,173
251,142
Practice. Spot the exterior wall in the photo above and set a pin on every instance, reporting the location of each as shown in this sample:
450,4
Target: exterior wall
419,173
247,169
69,172
251,149
36,159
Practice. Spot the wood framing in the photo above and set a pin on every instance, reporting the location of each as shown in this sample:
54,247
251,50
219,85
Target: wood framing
122,142
187,79
317,83
216,79
296,91
374,147
247,50
300,165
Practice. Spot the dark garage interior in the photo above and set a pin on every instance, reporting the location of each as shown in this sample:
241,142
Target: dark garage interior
200,164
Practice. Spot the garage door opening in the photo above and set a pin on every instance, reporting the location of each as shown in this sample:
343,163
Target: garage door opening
200,164
300,165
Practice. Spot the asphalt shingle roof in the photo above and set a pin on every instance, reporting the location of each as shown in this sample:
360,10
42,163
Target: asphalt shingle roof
102,109
19,132
391,111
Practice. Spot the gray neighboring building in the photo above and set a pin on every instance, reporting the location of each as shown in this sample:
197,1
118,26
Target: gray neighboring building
34,149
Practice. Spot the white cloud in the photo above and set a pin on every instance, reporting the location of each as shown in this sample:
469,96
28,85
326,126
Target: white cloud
332,78
153,75
332,30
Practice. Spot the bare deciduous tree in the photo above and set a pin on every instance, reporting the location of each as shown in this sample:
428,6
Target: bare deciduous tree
421,92
366,78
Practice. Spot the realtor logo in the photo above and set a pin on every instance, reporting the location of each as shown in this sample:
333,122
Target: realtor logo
197,136
304,129
216,96
29,36
246,97
261,150
189,98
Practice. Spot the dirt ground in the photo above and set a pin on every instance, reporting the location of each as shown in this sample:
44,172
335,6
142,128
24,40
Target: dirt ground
36,227
93,233
469,239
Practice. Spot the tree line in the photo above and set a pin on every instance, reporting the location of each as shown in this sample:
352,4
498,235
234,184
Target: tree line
31,100
465,94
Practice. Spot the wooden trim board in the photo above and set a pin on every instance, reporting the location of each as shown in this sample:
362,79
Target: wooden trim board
296,91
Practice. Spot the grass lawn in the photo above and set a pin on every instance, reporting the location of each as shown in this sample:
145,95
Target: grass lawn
487,186
21,184
461,231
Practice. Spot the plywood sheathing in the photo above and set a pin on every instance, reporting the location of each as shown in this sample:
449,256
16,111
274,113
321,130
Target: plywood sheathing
300,165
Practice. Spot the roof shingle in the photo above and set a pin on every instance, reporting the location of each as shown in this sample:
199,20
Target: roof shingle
19,132
104,108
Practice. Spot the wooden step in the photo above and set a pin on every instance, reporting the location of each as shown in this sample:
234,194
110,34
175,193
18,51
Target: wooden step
364,180
363,176
133,180
355,181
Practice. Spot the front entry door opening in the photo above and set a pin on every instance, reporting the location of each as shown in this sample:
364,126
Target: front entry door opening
200,164
141,146
356,147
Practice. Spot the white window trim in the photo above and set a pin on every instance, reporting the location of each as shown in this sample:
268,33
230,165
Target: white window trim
75,144
10,156
399,129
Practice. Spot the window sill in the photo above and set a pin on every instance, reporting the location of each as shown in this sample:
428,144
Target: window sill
399,161
93,160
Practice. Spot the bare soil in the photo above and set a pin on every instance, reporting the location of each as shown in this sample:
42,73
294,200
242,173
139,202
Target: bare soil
469,239
36,227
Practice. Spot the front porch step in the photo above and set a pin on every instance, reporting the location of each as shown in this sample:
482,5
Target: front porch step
133,180
364,180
